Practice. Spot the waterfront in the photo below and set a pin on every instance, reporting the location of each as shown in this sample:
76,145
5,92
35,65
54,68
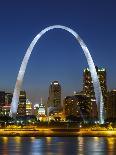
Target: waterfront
58,145
55,133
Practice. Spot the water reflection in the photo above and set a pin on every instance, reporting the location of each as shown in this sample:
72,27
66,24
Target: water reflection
5,140
36,146
111,142
17,140
58,146
32,139
48,140
80,145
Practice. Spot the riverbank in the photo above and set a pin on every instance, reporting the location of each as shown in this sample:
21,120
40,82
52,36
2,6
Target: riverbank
55,133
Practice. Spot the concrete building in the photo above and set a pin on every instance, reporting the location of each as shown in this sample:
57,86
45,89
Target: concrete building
22,104
28,107
2,98
36,109
78,106
54,99
5,102
111,106
89,90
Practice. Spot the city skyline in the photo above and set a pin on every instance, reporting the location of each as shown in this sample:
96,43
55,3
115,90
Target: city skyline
56,45
76,106
57,77
103,84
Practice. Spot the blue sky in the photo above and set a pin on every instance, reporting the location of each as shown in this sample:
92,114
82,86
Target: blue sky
57,56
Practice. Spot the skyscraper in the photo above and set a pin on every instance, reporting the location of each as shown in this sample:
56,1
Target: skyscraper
6,107
22,104
54,99
2,98
28,107
8,98
111,106
77,105
89,90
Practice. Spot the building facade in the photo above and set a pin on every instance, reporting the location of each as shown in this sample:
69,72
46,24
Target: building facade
2,101
89,89
28,107
2,98
5,100
22,104
111,106
54,99
41,110
8,98
36,109
78,106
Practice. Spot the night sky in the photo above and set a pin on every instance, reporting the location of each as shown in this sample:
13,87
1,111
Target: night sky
57,55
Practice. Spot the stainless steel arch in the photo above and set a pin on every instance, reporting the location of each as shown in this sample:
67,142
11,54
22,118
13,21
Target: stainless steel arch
97,88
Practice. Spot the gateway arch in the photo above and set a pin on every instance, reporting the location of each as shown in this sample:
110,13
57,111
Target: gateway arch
96,84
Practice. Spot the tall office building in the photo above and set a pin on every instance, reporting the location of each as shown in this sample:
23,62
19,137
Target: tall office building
89,90
6,107
22,104
2,98
28,107
54,99
77,105
70,107
111,106
8,99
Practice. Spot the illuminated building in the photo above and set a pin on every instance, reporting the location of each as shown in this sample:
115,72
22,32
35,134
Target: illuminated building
54,99
89,90
6,110
84,105
41,110
28,107
111,106
8,98
22,104
70,107
36,109
2,98
77,105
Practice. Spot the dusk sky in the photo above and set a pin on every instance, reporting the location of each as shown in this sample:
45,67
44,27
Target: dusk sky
57,55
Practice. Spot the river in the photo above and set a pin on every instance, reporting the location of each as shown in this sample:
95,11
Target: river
58,146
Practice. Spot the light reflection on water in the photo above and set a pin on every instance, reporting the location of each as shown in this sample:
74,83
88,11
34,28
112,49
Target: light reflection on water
58,146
